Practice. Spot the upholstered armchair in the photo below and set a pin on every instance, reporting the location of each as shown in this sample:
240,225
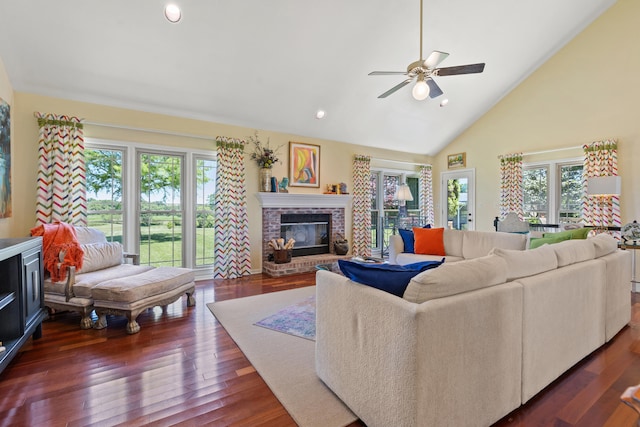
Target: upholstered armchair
102,260
110,281
512,224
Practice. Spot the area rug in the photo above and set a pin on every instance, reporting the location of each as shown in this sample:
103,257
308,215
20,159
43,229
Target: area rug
285,362
298,319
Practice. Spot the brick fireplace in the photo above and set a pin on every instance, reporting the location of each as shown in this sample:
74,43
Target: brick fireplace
275,205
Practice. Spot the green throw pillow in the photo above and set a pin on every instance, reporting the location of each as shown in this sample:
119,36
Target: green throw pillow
551,239
577,233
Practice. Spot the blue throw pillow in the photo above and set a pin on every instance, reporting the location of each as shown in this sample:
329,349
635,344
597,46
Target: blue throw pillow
392,278
408,239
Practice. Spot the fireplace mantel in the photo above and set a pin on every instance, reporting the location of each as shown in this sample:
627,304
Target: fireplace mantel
293,200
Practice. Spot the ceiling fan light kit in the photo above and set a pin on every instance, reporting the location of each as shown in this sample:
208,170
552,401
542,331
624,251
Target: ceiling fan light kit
421,89
424,71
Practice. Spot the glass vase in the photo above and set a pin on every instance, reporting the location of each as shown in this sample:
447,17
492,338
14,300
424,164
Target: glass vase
265,179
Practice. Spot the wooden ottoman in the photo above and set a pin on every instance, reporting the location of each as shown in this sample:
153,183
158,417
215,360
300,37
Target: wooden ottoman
131,295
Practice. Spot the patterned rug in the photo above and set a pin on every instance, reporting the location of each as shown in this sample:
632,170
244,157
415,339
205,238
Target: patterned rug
297,319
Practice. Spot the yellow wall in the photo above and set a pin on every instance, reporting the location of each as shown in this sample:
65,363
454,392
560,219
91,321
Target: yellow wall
587,92
335,159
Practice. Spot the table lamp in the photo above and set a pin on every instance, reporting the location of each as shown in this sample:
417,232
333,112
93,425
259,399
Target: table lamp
403,194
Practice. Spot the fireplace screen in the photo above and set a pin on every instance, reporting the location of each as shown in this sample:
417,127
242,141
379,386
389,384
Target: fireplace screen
310,231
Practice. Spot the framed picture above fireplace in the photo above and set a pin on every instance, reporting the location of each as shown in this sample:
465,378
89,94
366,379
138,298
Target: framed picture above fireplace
304,165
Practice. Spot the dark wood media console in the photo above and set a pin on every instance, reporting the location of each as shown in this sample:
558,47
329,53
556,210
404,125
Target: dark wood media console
21,294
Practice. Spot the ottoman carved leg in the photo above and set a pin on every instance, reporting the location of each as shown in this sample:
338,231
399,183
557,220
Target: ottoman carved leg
191,300
86,322
102,320
132,327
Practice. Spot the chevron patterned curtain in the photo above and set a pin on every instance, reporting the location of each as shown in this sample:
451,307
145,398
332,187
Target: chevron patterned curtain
600,159
511,187
61,191
361,206
232,248
426,195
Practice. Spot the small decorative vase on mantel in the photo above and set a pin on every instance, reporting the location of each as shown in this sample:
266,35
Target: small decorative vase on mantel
265,179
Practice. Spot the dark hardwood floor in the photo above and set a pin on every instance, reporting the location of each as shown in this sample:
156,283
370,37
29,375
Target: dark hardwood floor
183,369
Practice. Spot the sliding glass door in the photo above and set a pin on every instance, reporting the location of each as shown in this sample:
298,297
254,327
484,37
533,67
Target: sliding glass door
160,215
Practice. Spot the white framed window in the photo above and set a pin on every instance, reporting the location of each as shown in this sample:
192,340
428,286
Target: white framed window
156,200
552,191
106,193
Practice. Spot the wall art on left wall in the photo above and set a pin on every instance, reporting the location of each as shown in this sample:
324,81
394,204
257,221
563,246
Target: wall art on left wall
5,159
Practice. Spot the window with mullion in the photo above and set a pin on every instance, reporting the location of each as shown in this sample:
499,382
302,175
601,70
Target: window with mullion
104,182
205,170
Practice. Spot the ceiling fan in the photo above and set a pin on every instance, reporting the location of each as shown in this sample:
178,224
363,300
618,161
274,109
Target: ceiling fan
425,70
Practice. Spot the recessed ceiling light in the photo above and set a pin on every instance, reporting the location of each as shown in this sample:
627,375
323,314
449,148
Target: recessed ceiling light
172,12
320,114
444,102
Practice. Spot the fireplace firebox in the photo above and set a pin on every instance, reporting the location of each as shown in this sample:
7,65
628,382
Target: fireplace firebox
312,232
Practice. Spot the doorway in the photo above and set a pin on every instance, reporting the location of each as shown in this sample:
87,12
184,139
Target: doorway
457,199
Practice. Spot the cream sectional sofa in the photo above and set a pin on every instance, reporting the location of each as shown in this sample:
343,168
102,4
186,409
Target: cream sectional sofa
458,245
472,340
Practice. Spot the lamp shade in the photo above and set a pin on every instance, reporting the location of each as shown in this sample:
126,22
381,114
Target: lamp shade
603,186
403,193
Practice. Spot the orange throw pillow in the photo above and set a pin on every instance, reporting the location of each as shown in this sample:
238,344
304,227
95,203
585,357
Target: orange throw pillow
429,241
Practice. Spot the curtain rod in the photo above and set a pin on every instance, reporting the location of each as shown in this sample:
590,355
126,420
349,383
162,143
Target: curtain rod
400,161
551,151
161,132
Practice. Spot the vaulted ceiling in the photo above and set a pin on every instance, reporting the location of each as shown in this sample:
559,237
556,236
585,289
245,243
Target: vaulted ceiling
272,64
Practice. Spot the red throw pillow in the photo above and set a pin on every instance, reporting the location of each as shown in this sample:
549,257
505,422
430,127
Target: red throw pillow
429,241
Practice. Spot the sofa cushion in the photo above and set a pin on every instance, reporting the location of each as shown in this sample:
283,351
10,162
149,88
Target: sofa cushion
453,242
85,282
527,263
575,233
135,288
456,278
477,244
404,259
429,241
100,255
536,242
87,235
604,244
391,278
408,239
573,251
54,287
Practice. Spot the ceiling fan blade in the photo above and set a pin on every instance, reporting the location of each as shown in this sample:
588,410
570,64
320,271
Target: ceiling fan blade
461,69
434,89
395,88
387,73
435,58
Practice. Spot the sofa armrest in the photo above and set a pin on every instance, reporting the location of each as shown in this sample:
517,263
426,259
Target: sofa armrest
396,246
365,341
618,291
135,258
71,280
